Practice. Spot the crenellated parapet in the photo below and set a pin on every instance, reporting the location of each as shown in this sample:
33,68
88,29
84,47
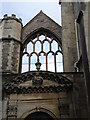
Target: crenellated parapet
10,27
10,39
13,16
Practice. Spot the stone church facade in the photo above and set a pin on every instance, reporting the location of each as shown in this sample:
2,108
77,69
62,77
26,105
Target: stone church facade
41,94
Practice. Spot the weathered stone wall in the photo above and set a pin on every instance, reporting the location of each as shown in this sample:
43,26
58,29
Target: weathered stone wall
55,104
84,7
79,95
65,104
10,38
87,27
10,26
36,102
10,55
68,36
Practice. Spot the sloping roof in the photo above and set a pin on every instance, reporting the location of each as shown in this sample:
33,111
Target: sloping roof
41,20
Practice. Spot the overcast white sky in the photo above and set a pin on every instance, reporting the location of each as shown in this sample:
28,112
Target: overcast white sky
27,10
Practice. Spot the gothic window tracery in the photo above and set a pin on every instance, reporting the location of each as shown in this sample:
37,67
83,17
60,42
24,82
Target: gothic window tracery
43,48
25,61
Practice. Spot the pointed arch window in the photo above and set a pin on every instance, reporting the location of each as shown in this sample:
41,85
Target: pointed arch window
25,62
42,59
38,46
59,62
46,48
33,60
29,47
51,62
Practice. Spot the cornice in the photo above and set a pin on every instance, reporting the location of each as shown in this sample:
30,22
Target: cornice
64,84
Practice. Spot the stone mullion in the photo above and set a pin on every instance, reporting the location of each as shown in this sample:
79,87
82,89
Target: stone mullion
50,46
29,62
46,63
45,36
37,37
41,45
55,63
58,46
33,47
37,57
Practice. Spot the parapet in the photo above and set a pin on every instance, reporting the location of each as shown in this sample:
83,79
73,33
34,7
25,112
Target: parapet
11,27
13,16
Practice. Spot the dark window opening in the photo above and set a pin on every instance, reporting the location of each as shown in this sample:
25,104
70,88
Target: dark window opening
39,116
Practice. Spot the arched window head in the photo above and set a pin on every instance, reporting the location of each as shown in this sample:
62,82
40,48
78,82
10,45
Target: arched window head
29,47
45,48
54,45
38,46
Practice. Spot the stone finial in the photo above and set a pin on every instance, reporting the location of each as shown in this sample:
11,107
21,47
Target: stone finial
5,16
41,11
20,19
13,15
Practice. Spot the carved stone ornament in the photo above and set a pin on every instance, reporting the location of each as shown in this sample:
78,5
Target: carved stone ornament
37,78
12,111
37,81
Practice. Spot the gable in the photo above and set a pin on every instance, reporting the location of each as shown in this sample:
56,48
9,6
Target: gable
41,20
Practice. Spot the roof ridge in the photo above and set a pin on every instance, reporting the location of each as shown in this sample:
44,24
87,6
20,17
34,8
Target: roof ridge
41,12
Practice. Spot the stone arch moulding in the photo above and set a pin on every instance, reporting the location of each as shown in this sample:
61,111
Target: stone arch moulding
39,109
41,30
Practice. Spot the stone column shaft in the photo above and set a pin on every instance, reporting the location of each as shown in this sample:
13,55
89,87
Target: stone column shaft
68,36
